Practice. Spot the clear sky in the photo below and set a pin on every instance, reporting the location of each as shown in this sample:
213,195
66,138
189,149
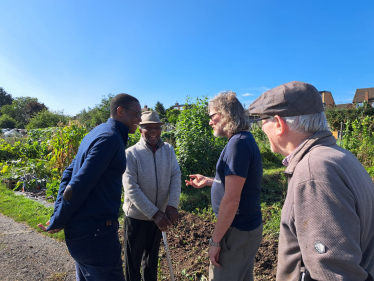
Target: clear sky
70,53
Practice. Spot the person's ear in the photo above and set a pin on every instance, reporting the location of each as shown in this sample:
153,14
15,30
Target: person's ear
120,111
281,126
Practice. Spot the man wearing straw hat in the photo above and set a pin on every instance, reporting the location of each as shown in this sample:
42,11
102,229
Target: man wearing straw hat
152,184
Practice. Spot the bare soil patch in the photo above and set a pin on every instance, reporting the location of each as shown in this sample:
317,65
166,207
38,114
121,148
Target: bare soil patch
188,243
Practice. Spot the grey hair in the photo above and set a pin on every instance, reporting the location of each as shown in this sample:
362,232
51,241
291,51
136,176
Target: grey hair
310,123
227,104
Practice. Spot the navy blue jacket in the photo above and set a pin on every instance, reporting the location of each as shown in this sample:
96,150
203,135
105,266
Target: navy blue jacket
95,176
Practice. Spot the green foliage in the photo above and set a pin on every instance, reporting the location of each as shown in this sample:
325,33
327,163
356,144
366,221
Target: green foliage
46,118
53,184
172,115
159,107
133,138
359,139
335,115
197,149
97,115
7,122
5,98
65,144
22,109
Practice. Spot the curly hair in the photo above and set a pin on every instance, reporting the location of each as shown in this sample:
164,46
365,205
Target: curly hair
233,115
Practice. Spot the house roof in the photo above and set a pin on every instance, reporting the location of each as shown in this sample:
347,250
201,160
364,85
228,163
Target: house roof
360,94
343,105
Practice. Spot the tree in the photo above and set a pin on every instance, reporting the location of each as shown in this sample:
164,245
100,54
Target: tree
33,107
7,122
172,115
97,115
22,109
5,98
159,107
46,118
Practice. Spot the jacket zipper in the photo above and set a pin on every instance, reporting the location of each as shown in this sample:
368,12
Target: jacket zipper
154,161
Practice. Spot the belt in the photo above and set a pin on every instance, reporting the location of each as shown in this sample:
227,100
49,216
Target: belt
109,222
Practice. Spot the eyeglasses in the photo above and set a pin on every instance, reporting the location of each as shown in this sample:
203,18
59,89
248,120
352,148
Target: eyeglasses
211,115
138,113
158,128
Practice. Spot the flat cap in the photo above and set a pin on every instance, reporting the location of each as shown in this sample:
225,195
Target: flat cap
287,100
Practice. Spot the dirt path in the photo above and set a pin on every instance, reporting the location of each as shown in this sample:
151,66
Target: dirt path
28,255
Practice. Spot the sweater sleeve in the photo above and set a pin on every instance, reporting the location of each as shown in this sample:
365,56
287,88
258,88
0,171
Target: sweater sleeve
328,230
96,162
132,189
175,181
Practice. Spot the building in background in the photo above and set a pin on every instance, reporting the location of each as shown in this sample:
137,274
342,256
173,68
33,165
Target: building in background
327,99
365,94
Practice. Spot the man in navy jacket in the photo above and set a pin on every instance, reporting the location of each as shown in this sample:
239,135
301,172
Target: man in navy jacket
89,197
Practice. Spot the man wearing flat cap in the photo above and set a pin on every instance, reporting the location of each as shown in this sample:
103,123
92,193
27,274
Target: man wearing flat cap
152,184
327,222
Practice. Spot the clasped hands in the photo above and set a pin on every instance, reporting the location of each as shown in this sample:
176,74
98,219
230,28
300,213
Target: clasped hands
167,219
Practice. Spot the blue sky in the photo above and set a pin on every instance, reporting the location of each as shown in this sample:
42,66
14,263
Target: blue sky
69,53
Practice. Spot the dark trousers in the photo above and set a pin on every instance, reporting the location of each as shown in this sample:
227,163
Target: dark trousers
97,253
141,246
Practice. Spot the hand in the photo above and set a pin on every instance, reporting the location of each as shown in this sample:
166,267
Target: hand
162,221
42,227
198,181
214,255
172,214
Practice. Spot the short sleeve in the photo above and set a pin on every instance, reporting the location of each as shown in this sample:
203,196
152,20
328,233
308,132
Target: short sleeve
238,157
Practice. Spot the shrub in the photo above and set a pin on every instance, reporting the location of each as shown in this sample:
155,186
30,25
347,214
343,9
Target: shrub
197,149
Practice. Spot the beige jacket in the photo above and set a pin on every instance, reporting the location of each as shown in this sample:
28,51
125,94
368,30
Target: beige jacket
330,202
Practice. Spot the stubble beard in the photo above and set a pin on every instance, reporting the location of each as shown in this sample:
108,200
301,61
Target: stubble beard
219,132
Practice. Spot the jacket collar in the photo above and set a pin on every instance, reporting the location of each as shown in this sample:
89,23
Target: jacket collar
324,138
145,144
122,128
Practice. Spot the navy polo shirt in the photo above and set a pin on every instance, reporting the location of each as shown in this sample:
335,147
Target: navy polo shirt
240,157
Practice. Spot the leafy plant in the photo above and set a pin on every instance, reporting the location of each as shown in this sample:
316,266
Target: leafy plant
65,144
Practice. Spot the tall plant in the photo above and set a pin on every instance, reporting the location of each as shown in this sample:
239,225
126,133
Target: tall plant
197,149
359,139
65,144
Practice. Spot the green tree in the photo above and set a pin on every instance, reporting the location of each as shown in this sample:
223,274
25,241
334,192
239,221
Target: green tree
22,109
46,118
172,115
7,122
5,98
159,107
97,115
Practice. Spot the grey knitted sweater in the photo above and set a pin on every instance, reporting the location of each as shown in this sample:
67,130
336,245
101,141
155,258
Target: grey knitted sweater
152,181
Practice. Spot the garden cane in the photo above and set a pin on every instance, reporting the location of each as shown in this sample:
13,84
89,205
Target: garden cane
168,256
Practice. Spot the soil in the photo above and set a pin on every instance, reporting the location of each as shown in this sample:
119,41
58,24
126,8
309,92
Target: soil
188,244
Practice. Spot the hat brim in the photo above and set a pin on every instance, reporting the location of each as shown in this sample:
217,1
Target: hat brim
151,122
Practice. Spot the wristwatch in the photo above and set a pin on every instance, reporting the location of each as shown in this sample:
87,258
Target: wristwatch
211,243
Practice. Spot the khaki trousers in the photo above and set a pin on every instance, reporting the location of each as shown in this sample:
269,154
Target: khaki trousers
237,255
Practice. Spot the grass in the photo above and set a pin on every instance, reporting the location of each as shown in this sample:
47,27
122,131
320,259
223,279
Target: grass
22,209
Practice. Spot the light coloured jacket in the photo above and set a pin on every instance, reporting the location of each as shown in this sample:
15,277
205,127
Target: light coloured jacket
152,181
330,201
